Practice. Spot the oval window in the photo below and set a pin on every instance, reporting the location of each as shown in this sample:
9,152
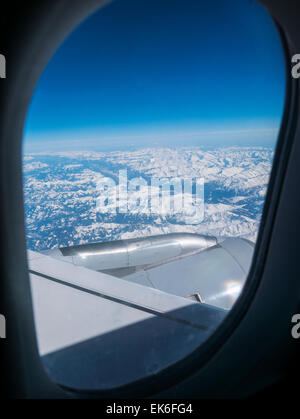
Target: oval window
148,149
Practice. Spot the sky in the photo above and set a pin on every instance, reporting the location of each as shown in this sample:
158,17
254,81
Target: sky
162,72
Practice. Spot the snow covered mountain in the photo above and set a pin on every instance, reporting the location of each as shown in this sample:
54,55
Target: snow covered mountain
61,193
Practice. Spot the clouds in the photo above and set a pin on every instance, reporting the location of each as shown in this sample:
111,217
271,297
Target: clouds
29,167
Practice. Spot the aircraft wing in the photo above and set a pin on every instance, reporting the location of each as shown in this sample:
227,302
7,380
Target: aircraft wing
156,312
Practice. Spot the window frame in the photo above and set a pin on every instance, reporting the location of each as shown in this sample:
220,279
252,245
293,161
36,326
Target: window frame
21,361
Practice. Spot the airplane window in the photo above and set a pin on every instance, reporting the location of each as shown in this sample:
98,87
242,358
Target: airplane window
147,154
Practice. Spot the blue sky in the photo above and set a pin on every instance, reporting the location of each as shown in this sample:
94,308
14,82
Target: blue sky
162,72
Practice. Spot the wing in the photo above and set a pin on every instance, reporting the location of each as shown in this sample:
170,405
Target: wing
133,314
182,264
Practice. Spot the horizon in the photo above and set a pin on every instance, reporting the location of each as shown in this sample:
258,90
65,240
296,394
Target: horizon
205,139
